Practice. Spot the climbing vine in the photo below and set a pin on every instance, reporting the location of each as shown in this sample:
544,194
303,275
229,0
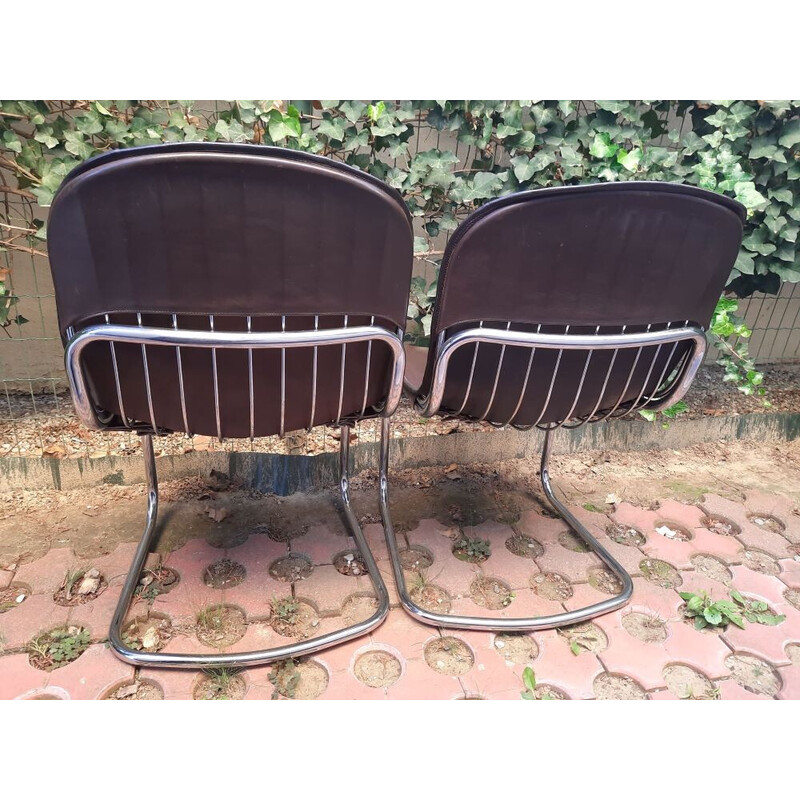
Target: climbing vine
446,158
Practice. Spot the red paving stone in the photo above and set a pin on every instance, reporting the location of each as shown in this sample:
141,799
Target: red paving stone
326,589
17,676
36,614
790,677
46,574
558,667
92,674
321,544
98,671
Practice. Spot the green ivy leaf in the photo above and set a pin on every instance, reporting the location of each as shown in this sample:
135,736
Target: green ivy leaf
602,146
790,135
748,195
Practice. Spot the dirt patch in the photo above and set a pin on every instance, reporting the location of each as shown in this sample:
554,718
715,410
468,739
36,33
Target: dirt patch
431,598
350,563
604,580
660,573
226,536
508,511
792,596
524,546
584,636
571,541
58,647
625,534
449,656
519,648
712,567
293,618
759,561
617,687
753,674
220,684
793,653
720,525
490,593
670,530
13,596
80,586
138,690
294,567
224,574
768,522
415,557
220,625
377,669
157,581
150,633
551,586
688,684
358,608
303,680
544,691
645,627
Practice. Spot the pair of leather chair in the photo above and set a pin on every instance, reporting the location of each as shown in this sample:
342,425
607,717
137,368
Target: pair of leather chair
243,291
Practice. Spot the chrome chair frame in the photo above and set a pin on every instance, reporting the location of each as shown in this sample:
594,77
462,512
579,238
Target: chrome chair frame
173,337
666,394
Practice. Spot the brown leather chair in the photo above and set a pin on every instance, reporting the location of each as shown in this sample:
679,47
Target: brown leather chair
232,291
563,306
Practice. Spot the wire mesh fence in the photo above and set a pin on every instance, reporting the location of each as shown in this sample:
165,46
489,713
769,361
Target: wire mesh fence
35,409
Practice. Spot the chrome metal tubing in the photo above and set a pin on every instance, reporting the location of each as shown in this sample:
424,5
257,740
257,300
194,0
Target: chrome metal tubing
173,337
206,661
445,349
501,623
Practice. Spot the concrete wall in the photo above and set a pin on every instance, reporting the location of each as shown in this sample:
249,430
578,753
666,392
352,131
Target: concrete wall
284,475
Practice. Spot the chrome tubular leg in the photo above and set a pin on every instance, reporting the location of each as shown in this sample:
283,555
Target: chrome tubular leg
502,623
252,658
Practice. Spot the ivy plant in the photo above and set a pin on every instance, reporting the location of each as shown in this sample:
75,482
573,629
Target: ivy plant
447,157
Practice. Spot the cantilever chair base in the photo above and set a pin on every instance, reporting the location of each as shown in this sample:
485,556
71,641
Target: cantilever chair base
204,661
502,623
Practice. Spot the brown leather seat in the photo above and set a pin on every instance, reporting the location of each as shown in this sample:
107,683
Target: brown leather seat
604,258
191,235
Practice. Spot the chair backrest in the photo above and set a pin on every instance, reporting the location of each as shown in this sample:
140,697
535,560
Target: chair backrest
603,258
231,238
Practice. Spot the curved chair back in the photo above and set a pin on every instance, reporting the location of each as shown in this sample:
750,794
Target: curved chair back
579,261
230,238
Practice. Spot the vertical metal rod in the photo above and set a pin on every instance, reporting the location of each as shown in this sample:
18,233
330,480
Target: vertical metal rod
147,378
314,382
216,382
250,382
180,378
471,373
602,392
283,379
366,375
552,381
580,385
116,379
341,375
496,377
624,391
666,367
525,381
647,377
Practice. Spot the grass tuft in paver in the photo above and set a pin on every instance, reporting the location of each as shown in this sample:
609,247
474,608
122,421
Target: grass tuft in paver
58,647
